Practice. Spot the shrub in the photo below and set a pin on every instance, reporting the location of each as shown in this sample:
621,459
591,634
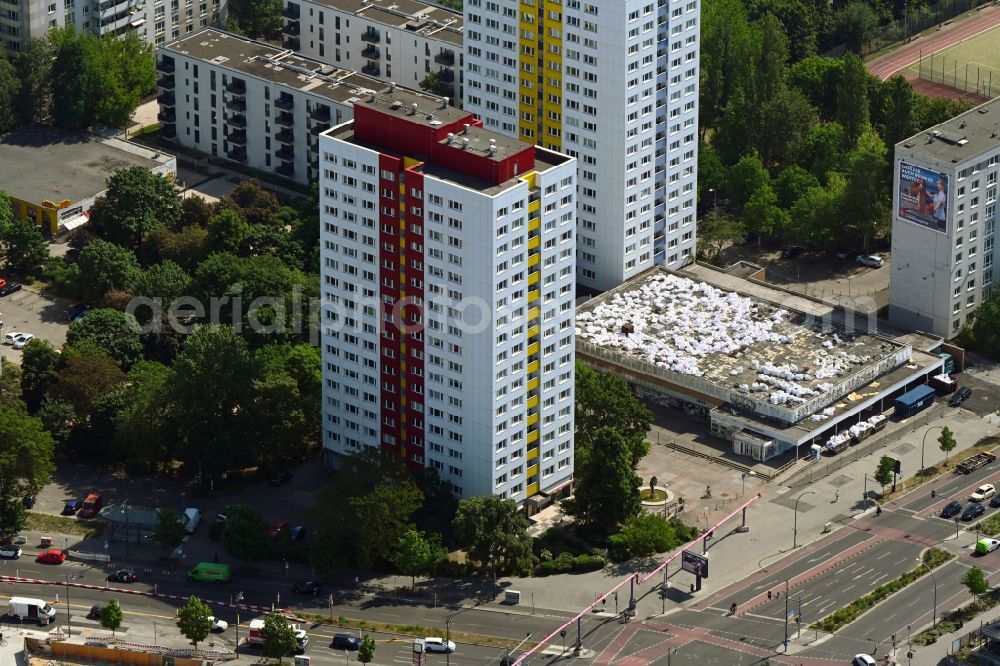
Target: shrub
618,547
584,563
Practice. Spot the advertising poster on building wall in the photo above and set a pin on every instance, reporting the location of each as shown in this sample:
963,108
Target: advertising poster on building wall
923,197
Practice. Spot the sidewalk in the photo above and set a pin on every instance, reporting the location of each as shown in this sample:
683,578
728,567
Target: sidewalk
931,655
13,652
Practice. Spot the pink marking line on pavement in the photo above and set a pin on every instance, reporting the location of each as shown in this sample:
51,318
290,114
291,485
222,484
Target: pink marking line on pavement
889,64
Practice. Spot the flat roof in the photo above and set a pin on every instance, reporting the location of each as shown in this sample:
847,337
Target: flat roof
961,138
729,343
38,163
417,17
284,67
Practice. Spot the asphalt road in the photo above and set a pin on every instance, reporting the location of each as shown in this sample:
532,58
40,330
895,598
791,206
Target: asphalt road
954,487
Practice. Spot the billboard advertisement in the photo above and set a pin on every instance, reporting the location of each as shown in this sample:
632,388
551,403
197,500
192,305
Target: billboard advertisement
694,563
923,197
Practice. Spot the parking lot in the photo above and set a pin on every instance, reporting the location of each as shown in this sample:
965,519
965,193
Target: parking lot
28,311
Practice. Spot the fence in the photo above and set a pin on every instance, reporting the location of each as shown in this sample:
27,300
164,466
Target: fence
968,77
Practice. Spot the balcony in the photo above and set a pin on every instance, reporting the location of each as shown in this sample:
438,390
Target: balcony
237,120
167,116
166,81
238,153
321,113
167,99
285,153
166,65
237,87
286,169
372,69
371,52
285,136
320,127
445,58
168,131
291,28
371,36
291,12
237,137
292,43
285,119
286,102
447,75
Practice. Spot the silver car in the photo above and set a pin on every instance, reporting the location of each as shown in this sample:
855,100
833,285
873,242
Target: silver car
10,551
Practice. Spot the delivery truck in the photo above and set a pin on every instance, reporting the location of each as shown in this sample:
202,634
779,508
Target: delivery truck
256,637
23,609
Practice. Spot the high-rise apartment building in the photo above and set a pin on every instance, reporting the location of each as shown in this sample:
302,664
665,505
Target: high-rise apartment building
944,222
155,21
447,277
614,84
394,40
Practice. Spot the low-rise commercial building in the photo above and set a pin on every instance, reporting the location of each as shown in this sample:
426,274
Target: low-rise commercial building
53,177
393,40
256,104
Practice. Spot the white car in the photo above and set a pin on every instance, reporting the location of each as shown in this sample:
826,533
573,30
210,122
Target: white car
435,644
25,338
10,550
871,260
863,660
11,337
983,492
218,625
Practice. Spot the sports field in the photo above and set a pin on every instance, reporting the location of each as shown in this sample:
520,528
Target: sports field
972,65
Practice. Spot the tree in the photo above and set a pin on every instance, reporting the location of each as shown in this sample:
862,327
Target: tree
166,281
726,41
58,418
792,183
856,23
279,637
824,149
817,77
947,442
493,531
25,465
112,616
10,386
255,18
136,201
113,331
607,488
169,531
762,214
975,581
139,424
785,122
22,243
104,267
10,86
415,554
434,84
716,230
883,473
746,177
84,378
606,400
852,98
648,533
34,68
815,218
227,232
194,619
366,651
245,534
195,211
254,203
39,369
986,325
867,193
898,110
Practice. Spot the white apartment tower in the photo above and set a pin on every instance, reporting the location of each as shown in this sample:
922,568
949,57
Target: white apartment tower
944,222
401,41
448,258
614,84
156,21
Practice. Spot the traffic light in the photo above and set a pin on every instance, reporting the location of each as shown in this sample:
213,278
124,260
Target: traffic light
897,466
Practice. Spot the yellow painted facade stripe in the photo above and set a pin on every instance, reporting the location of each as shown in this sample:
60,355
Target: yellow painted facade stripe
533,349
532,489
533,243
534,277
533,402
534,207
532,419
532,436
534,259
533,384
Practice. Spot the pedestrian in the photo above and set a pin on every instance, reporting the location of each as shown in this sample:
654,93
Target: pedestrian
836,495
769,595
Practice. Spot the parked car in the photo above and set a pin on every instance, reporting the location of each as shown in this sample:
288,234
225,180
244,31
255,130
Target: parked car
870,260
94,613
863,660
125,575
91,506
22,341
995,502
792,251
71,507
11,337
51,556
75,311
277,528
951,509
10,551
298,533
191,519
307,587
973,511
435,644
983,492
847,254
218,626
961,395
280,479
345,642
221,516
10,288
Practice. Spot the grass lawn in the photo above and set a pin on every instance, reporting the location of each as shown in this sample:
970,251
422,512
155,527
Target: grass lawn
43,522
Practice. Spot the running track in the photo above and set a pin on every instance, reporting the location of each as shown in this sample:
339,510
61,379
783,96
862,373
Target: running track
892,62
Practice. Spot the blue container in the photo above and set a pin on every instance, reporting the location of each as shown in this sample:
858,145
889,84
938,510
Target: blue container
915,401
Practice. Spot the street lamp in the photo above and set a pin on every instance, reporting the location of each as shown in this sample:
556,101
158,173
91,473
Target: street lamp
922,443
671,652
795,518
933,578
239,599
516,648
447,641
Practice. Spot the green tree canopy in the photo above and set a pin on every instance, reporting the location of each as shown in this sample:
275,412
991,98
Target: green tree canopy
985,326
792,183
648,533
744,178
493,531
112,615
84,378
852,98
113,331
947,443
716,230
25,465
166,281
255,18
227,232
169,531
39,369
245,533
434,84
856,24
604,400
21,243
279,637
252,202
883,473
34,70
10,87
416,554
194,619
105,267
606,490
366,652
975,581
136,201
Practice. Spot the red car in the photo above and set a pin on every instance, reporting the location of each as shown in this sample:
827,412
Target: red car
277,528
51,556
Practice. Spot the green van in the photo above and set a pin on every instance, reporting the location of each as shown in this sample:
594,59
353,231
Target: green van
984,546
207,571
